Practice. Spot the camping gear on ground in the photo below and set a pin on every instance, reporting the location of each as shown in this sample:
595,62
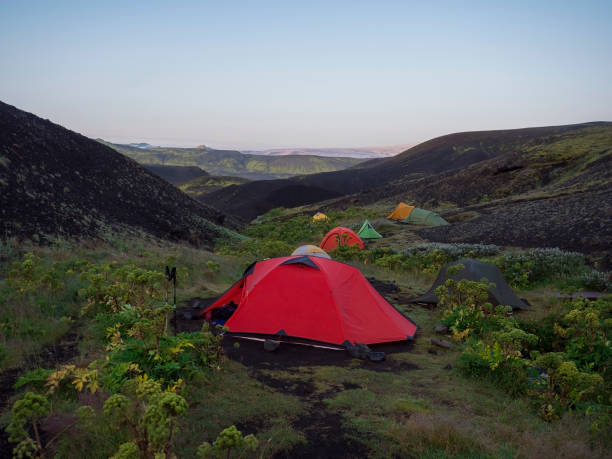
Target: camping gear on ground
311,250
314,299
340,236
367,231
476,270
319,217
401,211
416,216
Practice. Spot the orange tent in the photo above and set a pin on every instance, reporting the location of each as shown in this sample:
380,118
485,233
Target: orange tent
401,211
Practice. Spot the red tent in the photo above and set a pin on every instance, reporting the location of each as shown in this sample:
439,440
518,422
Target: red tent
312,298
340,236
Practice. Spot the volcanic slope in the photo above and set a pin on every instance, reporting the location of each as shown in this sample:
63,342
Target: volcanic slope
56,182
234,163
458,168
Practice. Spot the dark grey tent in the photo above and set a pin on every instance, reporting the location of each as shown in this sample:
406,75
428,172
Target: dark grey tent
475,270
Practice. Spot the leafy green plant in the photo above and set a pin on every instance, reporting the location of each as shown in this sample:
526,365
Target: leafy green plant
526,269
177,358
229,439
566,386
213,268
149,414
34,379
464,305
28,410
586,332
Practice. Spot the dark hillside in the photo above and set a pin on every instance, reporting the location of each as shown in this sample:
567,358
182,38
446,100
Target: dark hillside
458,168
55,181
579,221
177,175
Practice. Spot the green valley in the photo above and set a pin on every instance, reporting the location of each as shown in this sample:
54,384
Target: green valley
234,163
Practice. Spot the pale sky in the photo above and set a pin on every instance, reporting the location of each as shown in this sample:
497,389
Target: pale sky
258,74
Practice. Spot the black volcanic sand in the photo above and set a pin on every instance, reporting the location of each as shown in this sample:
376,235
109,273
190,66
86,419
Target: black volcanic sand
580,222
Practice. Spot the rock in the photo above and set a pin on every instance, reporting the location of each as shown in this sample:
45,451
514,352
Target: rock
271,345
197,304
448,366
441,328
432,351
442,343
376,356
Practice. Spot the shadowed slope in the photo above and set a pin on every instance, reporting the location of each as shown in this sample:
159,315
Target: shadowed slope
177,175
56,182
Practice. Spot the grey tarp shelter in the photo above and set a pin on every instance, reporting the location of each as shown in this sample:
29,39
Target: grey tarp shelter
475,270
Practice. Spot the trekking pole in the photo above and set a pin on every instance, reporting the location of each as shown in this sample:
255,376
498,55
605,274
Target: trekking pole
171,276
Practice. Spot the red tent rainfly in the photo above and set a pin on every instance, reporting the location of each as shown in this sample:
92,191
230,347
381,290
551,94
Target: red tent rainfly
312,298
340,236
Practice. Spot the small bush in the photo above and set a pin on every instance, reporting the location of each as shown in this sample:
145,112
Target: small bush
594,280
526,269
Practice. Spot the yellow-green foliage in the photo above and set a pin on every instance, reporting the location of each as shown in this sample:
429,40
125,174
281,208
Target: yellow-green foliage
229,439
149,414
28,410
576,378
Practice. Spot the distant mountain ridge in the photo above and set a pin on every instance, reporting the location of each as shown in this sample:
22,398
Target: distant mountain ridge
357,152
550,186
234,163
56,182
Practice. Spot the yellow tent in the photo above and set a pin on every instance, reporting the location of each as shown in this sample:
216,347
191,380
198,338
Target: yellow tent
319,217
311,250
401,211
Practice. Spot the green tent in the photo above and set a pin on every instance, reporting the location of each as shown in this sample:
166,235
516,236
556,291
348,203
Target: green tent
424,217
367,231
476,270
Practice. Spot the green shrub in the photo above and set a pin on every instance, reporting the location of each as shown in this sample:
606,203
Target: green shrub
464,305
595,280
27,411
149,414
454,251
229,439
526,269
504,368
178,358
586,329
34,379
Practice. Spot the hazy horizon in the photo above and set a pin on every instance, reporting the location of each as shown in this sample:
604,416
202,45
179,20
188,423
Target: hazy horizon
280,75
